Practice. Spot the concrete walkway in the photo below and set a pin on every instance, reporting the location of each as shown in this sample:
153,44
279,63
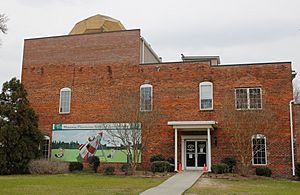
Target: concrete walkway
176,184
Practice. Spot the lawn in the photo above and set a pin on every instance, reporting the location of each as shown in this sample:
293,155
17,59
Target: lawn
244,186
75,184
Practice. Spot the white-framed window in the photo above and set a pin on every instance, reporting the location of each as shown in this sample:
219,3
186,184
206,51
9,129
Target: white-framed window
248,98
46,147
65,101
206,95
146,98
259,149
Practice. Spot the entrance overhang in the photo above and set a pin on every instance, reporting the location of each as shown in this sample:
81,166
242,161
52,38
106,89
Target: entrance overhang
193,126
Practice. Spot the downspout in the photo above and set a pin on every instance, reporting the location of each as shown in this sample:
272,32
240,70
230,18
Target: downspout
292,136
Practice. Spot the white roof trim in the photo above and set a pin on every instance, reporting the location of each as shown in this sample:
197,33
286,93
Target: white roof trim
193,124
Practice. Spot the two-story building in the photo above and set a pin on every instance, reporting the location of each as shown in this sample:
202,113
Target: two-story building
207,110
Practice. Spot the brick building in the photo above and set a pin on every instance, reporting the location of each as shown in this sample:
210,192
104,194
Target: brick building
72,82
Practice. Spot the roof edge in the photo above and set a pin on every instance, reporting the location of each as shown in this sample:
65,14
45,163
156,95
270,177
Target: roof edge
87,34
220,65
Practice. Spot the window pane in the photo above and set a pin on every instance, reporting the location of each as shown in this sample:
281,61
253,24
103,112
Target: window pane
259,150
206,96
65,100
146,98
206,92
241,98
206,103
255,98
46,148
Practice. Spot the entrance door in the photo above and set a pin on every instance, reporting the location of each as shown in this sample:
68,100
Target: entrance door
195,154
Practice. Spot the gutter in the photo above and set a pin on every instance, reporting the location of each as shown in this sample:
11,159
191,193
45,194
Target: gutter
292,136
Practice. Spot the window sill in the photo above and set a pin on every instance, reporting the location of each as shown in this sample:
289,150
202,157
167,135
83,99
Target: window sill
206,110
259,165
64,113
248,109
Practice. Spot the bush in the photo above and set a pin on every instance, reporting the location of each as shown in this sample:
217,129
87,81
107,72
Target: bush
171,160
44,166
297,169
172,164
160,166
94,161
157,157
231,162
220,168
127,169
75,166
109,170
263,171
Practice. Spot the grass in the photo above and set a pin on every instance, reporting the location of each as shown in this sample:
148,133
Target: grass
245,186
75,184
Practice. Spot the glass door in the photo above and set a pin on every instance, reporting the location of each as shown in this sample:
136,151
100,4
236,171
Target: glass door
201,153
190,154
195,154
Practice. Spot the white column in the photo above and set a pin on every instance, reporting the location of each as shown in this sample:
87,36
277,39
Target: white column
175,159
182,154
208,150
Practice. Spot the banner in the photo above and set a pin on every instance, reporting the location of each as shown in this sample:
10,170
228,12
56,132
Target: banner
111,142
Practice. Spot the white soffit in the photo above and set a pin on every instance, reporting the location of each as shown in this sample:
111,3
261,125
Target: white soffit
193,124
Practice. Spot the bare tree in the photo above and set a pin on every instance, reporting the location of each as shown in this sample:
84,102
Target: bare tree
3,20
296,92
241,125
126,109
3,26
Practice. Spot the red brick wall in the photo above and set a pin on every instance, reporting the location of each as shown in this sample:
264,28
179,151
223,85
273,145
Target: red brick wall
296,117
97,66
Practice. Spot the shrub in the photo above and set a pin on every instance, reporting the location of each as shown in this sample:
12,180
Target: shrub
297,169
171,160
44,166
94,161
231,162
172,164
263,171
75,166
157,157
220,168
109,170
127,169
160,166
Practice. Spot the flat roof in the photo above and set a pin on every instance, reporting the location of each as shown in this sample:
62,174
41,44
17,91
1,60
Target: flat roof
86,34
220,65
190,125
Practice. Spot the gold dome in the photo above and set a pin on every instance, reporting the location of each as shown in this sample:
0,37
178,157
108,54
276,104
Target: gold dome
97,23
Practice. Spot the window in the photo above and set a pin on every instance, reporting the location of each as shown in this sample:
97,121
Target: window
248,98
259,150
65,100
46,147
206,96
146,97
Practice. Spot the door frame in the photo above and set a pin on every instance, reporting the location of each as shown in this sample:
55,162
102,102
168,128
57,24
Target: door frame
185,138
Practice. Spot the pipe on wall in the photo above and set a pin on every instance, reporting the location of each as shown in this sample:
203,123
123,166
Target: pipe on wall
292,136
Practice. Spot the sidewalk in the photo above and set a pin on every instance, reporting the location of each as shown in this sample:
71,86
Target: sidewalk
176,184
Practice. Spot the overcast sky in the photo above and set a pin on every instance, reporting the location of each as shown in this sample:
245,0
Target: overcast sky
239,31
